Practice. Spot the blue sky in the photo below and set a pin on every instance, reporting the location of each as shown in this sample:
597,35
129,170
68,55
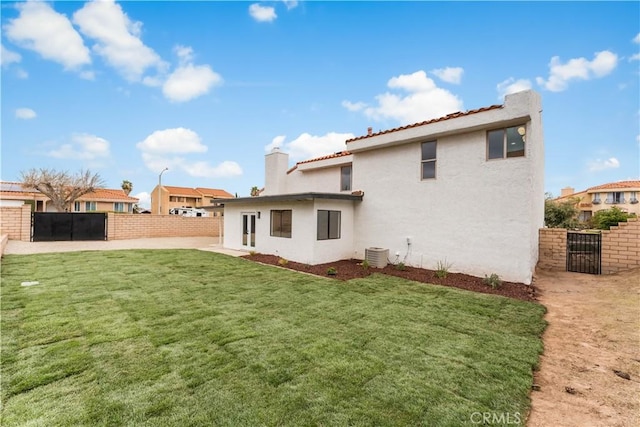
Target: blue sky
207,88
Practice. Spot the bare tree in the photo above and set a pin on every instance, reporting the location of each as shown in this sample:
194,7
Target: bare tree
60,187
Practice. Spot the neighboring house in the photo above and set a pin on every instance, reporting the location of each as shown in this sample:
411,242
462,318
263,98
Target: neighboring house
465,189
623,194
102,200
168,197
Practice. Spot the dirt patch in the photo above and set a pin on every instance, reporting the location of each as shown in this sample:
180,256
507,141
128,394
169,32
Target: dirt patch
352,269
592,341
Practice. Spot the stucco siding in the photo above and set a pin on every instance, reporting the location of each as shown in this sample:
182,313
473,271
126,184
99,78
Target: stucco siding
479,215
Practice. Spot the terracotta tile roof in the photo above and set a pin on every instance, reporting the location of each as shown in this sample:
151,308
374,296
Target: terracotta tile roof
427,122
317,159
108,194
328,156
182,191
214,192
617,185
12,189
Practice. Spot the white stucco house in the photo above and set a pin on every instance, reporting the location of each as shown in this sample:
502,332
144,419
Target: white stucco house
466,189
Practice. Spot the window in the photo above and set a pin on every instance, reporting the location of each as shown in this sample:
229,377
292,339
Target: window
76,206
429,160
596,199
328,225
118,207
281,223
633,198
503,143
615,198
176,199
89,206
345,178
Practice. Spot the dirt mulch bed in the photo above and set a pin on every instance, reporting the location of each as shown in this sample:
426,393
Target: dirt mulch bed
352,269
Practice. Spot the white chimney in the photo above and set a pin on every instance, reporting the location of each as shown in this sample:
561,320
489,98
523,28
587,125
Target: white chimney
276,164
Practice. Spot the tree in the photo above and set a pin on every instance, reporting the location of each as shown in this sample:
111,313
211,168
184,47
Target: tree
255,191
127,186
560,214
60,187
607,218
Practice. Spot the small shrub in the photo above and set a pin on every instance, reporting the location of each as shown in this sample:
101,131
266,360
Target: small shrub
400,266
331,271
494,280
442,269
252,253
282,262
365,265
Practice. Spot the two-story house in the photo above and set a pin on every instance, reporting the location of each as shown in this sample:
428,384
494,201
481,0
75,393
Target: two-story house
622,194
167,197
101,200
466,189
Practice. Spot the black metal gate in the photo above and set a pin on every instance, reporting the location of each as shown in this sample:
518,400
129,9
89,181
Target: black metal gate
55,226
583,252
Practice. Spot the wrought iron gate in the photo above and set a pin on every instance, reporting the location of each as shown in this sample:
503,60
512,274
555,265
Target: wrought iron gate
55,226
583,252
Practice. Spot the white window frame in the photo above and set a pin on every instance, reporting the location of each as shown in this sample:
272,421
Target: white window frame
433,160
519,129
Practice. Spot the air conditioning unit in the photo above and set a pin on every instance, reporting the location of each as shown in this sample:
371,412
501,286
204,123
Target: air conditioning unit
376,257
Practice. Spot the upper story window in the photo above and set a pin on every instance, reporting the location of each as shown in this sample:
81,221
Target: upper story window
633,199
615,197
118,207
345,178
281,223
596,198
76,206
90,206
508,142
428,160
328,225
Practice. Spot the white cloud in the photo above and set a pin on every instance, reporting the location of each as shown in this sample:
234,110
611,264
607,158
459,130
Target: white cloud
308,146
176,140
144,199
275,143
165,148
189,81
424,100
635,57
21,74
83,146
291,4
117,39
449,74
43,30
353,106
8,57
599,164
512,85
560,74
262,13
25,113
636,39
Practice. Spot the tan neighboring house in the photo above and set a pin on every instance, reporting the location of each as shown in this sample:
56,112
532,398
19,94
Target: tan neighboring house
623,194
168,197
101,200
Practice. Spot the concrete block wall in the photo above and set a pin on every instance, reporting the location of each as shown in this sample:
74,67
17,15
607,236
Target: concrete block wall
15,222
552,249
621,247
135,226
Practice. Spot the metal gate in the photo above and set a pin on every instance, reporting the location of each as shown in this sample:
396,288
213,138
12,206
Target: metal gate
583,252
55,226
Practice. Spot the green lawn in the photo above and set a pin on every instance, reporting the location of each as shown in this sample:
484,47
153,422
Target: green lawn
185,337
